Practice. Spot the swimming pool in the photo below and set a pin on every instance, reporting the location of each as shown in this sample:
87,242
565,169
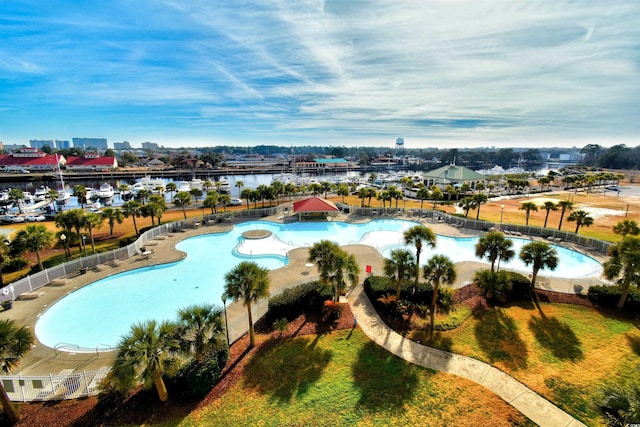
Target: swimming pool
97,315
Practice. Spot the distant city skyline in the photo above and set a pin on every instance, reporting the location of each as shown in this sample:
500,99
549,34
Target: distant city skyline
445,74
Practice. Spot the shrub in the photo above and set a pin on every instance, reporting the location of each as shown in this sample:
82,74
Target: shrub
378,286
195,379
54,260
304,298
520,286
332,310
15,264
281,325
445,299
608,296
495,284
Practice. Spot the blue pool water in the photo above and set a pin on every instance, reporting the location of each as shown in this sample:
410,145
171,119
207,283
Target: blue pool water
97,315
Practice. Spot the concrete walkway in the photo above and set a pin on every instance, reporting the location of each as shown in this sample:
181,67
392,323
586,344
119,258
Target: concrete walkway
531,404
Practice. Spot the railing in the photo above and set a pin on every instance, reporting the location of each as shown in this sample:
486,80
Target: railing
73,385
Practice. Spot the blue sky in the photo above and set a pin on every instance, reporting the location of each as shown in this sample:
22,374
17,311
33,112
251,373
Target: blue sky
437,73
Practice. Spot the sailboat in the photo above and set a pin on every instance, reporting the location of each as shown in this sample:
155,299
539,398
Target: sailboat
63,195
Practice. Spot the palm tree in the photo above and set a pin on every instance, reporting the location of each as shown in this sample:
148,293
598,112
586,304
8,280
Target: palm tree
436,194
247,282
626,227
239,185
132,209
142,195
438,270
171,187
211,201
495,246
548,206
624,260
112,215
478,200
342,190
582,218
399,266
201,328
540,255
148,352
16,196
92,221
423,194
620,406
80,191
182,200
417,236
35,238
15,343
196,193
528,207
335,266
564,206
467,203
5,255
224,200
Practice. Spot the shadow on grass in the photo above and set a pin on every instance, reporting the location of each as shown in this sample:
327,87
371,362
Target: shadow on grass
385,381
557,337
287,368
438,340
634,342
498,337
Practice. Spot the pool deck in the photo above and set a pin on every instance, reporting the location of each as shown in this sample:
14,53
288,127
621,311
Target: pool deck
44,360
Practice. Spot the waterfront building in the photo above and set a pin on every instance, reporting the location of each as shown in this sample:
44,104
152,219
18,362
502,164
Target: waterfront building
90,143
30,159
92,162
452,175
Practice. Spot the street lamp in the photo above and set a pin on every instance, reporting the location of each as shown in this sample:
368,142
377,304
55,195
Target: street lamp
63,238
84,243
226,323
501,215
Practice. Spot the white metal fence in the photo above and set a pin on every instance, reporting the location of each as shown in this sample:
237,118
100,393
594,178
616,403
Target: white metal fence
65,385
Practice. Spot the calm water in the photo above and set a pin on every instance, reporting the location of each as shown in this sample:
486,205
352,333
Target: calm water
97,315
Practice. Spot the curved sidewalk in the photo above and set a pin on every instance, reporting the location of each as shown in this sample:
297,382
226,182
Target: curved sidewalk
531,404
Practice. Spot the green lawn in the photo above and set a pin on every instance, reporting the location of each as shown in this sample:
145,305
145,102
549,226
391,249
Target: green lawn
566,353
344,379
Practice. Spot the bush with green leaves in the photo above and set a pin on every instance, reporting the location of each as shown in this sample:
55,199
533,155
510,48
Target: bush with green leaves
520,286
195,379
495,284
305,298
15,264
608,296
380,288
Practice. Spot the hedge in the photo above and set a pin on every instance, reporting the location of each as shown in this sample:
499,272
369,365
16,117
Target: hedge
608,296
304,298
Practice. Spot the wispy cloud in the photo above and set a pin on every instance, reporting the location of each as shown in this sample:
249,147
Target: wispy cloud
460,72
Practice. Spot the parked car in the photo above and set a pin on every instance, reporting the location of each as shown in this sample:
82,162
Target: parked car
17,218
7,219
235,202
612,188
35,218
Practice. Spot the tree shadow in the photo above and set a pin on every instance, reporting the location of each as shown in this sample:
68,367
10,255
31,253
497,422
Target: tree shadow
557,337
634,342
287,368
498,337
437,340
385,381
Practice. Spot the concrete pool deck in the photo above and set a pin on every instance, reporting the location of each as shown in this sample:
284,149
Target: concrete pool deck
43,360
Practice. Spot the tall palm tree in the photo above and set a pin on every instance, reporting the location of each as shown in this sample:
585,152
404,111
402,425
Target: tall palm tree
417,236
626,227
5,255
92,221
548,206
342,190
624,261
80,191
399,266
247,282
35,238
182,200
148,352
582,218
16,196
467,203
201,329
436,194
171,187
564,206
423,194
132,209
15,343
239,185
211,201
495,246
528,207
479,199
335,265
438,270
112,215
539,255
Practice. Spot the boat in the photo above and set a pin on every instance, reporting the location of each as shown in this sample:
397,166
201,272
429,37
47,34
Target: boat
196,184
152,185
40,194
183,186
223,185
105,191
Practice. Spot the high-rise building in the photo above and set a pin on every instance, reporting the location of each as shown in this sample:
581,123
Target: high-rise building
149,146
86,143
41,143
124,145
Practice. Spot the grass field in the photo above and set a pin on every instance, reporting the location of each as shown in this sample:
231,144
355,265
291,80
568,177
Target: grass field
344,379
566,353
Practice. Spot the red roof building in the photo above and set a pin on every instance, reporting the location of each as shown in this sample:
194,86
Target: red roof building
30,159
91,162
315,208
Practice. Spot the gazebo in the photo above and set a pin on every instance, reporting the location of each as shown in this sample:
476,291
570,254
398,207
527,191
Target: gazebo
315,208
